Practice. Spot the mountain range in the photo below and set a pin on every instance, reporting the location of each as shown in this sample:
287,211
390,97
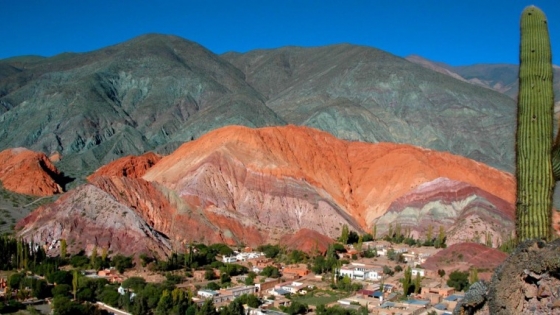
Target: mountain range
155,92
340,134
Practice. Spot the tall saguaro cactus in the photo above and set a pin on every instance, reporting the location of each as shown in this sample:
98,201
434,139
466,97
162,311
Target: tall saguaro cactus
535,180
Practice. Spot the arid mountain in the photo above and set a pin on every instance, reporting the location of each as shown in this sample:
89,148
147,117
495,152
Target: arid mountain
241,185
155,92
125,99
498,77
361,93
30,173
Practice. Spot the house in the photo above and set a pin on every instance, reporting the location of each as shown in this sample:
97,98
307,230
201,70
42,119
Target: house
111,275
418,271
299,270
361,272
207,294
229,259
268,284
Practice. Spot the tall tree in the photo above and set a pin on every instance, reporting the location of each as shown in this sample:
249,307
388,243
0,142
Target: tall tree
63,248
344,234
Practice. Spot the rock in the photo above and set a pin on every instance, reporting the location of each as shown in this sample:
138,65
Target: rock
26,172
128,166
308,241
509,291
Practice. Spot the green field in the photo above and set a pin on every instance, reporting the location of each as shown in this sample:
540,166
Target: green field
319,297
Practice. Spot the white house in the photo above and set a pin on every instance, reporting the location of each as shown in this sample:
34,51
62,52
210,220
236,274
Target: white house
416,271
207,294
229,259
361,272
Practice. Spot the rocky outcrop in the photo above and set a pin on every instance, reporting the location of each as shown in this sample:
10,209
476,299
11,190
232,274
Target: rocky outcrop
26,172
129,166
307,241
468,212
87,217
528,281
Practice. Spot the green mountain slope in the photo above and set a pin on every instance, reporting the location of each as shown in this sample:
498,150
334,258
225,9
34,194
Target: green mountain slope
124,99
365,94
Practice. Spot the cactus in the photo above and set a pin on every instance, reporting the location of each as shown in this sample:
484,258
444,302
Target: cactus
535,180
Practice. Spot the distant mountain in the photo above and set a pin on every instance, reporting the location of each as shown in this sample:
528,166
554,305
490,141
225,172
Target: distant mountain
361,93
239,185
152,92
498,77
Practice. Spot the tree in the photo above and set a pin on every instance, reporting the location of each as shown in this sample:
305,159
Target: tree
344,234
93,258
458,280
209,274
270,272
63,248
407,281
441,273
473,275
374,231
75,283
417,283
387,270
440,242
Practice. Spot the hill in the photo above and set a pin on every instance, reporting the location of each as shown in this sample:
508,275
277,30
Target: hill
238,185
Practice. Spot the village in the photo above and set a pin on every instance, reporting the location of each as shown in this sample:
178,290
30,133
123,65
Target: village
357,283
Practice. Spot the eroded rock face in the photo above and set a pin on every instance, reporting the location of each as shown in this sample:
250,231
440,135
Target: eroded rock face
253,186
296,177
308,241
27,172
89,216
129,166
467,212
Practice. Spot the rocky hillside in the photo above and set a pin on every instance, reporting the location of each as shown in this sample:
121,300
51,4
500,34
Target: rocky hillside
155,92
240,185
125,99
361,93
30,173
498,77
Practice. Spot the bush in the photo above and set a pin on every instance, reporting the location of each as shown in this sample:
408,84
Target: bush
458,280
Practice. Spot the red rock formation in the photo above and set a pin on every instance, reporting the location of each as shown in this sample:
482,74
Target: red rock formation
27,172
304,178
240,185
128,166
89,216
308,241
466,211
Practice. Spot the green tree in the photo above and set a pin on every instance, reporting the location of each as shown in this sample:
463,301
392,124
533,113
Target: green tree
473,275
63,248
458,280
417,283
407,281
93,258
344,234
75,283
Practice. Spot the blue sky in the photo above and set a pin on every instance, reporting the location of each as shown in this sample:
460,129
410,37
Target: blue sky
457,32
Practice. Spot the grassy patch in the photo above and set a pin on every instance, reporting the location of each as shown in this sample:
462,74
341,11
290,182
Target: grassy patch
319,297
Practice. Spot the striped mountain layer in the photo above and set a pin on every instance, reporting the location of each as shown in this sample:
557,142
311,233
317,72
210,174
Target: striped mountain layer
239,185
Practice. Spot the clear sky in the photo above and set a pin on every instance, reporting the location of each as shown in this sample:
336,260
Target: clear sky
457,32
